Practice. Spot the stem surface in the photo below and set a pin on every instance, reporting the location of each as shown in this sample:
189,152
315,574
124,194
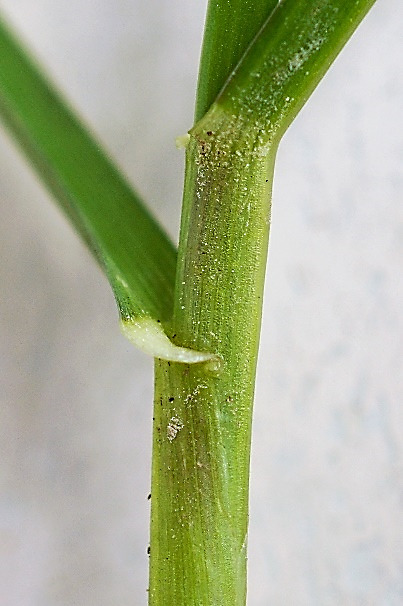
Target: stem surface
202,416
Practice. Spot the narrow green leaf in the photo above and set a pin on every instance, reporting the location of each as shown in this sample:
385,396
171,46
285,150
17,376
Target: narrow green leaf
230,27
135,253
286,61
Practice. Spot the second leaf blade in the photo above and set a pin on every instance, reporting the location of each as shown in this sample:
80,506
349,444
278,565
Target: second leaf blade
130,246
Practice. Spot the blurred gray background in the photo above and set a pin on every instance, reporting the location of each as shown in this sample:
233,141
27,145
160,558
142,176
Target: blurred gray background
75,412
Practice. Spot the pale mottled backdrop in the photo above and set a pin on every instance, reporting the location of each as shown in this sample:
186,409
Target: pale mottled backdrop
326,500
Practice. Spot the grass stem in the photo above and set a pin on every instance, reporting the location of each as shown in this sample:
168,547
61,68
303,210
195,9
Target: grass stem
202,417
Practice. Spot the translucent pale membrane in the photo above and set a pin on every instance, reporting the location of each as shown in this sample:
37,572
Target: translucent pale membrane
149,336
182,141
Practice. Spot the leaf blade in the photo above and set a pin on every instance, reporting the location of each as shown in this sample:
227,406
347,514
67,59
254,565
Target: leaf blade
230,27
286,61
128,243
